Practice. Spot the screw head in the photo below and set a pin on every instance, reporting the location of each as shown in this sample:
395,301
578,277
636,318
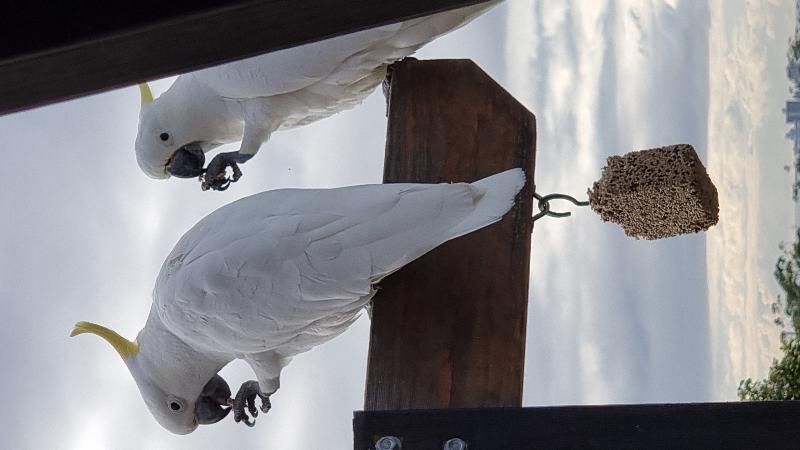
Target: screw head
388,443
455,444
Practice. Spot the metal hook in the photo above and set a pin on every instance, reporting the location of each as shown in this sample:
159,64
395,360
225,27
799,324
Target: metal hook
544,205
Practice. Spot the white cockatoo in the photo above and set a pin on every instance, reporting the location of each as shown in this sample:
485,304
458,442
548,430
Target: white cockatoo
248,99
272,275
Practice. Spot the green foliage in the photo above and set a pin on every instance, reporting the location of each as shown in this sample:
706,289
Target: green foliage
793,54
796,185
783,380
793,58
787,274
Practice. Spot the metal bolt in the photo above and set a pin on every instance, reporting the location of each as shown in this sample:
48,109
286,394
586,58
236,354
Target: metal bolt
388,443
455,444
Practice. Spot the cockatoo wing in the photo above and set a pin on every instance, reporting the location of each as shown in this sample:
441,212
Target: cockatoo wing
291,69
343,59
294,267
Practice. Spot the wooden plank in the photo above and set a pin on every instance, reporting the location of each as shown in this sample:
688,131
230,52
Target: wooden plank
55,51
699,425
448,330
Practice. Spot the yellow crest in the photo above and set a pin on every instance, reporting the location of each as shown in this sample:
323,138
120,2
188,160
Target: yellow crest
147,94
124,347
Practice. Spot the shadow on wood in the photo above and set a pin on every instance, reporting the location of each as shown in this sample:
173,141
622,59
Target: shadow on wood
448,330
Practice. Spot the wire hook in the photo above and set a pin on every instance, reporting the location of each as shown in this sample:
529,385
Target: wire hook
544,205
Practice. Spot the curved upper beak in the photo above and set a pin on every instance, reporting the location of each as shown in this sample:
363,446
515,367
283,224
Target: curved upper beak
208,408
187,161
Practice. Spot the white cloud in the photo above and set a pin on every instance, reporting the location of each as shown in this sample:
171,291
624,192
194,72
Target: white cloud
92,434
746,52
611,319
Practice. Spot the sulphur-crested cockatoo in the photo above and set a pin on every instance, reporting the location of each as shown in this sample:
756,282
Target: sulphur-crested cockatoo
274,274
249,99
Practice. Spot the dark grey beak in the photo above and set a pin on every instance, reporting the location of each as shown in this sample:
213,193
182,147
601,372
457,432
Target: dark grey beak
209,406
187,161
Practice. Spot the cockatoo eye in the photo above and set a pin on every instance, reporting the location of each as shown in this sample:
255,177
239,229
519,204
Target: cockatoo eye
175,404
164,136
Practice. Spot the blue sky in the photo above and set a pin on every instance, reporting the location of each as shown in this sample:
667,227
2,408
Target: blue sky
611,319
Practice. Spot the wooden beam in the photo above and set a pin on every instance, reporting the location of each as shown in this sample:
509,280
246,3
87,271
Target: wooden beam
53,51
688,425
448,330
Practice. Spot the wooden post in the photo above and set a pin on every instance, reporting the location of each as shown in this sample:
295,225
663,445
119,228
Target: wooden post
448,330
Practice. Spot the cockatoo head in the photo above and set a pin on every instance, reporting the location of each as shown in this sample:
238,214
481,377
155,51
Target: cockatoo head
176,393
161,150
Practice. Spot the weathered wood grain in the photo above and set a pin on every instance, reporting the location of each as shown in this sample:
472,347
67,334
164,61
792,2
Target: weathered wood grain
448,330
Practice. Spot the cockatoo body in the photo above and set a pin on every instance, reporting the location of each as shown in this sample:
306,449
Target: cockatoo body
272,275
249,99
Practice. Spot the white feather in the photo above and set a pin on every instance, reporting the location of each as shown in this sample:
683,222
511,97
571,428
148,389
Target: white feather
288,269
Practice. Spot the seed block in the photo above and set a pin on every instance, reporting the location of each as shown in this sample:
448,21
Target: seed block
656,193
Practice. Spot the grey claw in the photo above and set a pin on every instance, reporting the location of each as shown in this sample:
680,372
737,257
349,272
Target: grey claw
246,398
247,422
251,406
266,405
237,172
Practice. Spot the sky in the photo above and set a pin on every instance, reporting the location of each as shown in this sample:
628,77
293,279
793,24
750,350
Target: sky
611,319
748,89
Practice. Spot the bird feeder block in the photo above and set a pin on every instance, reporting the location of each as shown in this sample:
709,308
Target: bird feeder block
656,193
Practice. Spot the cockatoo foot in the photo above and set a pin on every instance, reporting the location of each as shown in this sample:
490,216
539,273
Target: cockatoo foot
216,178
247,397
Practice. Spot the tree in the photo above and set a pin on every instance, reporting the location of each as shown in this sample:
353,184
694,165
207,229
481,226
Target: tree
783,379
787,274
793,59
793,53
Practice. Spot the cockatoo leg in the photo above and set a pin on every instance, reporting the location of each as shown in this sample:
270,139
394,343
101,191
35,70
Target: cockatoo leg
267,367
216,177
246,397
